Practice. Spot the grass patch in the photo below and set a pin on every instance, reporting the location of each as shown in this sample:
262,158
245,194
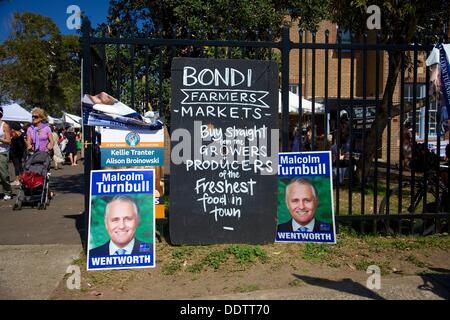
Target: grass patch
435,241
81,261
248,254
182,253
362,265
248,288
215,259
316,252
171,268
295,283
413,259
195,268
333,264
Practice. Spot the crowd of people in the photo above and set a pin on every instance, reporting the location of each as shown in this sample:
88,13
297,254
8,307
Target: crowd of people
17,141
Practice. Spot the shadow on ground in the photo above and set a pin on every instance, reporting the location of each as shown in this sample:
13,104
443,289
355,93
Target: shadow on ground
80,224
68,184
344,285
437,281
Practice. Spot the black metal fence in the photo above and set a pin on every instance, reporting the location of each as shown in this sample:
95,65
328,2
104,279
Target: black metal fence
337,76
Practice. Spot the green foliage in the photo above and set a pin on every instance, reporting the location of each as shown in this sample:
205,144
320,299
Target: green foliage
215,258
196,267
296,283
196,19
245,255
248,254
247,288
309,12
204,19
346,230
400,19
316,252
39,66
182,253
171,268
362,265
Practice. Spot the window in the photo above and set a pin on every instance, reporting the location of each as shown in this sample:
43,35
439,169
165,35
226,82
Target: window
420,113
346,37
293,88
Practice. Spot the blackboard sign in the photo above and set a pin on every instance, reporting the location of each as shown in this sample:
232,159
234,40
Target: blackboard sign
223,174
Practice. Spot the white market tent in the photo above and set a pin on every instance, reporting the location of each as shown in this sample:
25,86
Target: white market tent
55,121
294,103
14,112
72,119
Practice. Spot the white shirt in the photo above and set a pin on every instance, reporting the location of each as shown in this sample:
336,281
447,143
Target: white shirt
4,147
309,226
113,248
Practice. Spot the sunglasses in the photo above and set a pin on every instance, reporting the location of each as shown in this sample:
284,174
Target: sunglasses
35,117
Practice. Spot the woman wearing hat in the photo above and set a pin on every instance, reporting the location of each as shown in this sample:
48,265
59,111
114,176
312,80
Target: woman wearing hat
5,142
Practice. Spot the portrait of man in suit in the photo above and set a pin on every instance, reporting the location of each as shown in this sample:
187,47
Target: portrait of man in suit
122,217
302,202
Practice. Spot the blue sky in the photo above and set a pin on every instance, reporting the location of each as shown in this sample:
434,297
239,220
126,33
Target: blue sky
96,10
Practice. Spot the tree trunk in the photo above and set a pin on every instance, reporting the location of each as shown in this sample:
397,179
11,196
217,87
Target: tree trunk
381,120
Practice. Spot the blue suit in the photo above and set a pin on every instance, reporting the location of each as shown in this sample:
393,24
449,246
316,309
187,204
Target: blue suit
139,247
319,226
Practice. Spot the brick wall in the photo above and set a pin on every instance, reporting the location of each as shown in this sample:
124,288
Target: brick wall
345,76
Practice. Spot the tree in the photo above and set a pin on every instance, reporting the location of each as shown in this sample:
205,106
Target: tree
209,19
39,65
196,19
403,22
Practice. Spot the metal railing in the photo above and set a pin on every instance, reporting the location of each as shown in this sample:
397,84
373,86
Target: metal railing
344,77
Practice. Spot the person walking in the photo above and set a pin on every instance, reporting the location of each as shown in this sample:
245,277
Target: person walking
39,134
407,145
78,142
58,158
5,142
71,147
17,150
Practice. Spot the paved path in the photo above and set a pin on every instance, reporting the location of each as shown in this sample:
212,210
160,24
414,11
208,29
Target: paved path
430,287
36,246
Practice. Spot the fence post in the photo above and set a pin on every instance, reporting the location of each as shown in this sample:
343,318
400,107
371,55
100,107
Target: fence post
87,131
286,47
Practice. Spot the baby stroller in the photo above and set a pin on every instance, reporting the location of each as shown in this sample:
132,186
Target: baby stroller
34,182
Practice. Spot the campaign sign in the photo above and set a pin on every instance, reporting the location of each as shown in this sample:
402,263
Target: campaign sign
305,198
125,148
121,219
223,171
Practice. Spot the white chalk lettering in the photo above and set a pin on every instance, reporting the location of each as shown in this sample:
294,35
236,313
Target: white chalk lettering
206,77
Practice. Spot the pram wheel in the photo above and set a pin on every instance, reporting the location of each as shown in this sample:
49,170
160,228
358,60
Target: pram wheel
17,205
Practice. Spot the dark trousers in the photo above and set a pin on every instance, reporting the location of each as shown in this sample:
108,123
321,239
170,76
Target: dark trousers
18,166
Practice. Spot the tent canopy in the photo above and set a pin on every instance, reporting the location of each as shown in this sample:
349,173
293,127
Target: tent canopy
294,103
73,120
14,112
52,120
